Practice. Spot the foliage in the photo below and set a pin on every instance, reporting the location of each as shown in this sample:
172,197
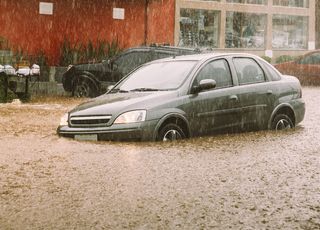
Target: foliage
285,58
89,52
66,52
113,48
40,59
20,57
4,44
10,95
266,58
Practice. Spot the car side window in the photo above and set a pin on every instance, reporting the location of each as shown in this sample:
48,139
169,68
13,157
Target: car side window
273,73
311,59
217,70
248,71
130,61
159,55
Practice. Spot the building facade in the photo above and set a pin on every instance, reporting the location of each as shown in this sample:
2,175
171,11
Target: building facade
35,26
262,27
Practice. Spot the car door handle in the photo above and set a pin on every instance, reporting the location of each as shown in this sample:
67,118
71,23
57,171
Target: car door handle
269,92
233,98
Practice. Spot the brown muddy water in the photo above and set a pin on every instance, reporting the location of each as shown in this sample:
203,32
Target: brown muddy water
256,180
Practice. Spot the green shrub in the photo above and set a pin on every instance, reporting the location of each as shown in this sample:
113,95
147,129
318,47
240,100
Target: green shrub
10,95
66,53
89,52
266,58
4,44
285,58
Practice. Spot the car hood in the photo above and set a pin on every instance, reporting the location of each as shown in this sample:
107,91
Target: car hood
110,104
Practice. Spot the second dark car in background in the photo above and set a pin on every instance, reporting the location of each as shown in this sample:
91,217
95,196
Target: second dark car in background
91,80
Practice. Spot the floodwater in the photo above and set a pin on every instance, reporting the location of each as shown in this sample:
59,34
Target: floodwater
256,180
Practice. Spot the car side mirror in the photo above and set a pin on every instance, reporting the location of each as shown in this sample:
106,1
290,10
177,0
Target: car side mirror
204,84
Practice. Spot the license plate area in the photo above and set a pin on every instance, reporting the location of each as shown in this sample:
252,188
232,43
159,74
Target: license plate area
86,137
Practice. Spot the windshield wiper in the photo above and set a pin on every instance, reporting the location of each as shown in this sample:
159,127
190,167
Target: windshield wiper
145,89
118,91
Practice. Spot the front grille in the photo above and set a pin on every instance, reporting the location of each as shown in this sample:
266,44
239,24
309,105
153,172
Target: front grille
89,121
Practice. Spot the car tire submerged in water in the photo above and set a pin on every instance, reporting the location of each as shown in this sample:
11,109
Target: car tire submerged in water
83,88
171,132
281,122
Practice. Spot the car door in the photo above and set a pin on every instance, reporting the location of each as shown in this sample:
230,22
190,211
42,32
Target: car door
256,92
216,108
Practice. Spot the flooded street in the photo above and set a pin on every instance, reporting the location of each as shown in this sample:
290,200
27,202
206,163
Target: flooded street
256,180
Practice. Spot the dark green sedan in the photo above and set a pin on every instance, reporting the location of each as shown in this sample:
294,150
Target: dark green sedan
188,96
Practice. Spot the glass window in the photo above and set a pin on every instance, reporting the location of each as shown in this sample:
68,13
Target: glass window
289,32
158,76
261,2
217,70
159,55
199,28
245,30
312,59
292,3
127,62
272,72
248,71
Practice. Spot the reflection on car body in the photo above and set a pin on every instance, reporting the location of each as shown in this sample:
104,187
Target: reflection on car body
189,96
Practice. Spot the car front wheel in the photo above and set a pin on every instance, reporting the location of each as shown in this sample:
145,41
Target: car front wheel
282,122
84,89
171,132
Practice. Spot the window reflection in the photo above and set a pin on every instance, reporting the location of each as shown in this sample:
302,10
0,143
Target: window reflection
245,30
292,3
199,28
289,32
261,2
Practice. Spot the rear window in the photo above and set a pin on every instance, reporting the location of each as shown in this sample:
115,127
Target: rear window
272,72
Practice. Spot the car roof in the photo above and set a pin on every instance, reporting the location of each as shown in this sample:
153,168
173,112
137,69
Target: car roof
163,48
204,56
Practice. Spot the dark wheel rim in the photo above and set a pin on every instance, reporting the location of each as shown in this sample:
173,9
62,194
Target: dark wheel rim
83,90
283,124
172,135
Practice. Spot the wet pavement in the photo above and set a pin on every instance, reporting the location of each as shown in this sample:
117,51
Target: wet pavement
256,180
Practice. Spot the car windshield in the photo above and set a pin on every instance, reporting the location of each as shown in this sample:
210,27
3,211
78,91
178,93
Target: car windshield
157,76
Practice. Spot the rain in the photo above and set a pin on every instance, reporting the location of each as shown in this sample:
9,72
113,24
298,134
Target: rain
258,179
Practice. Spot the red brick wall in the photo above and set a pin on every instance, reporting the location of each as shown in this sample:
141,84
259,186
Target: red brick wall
161,19
83,20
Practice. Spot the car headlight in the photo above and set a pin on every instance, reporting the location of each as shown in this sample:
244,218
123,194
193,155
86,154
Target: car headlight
131,117
64,120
